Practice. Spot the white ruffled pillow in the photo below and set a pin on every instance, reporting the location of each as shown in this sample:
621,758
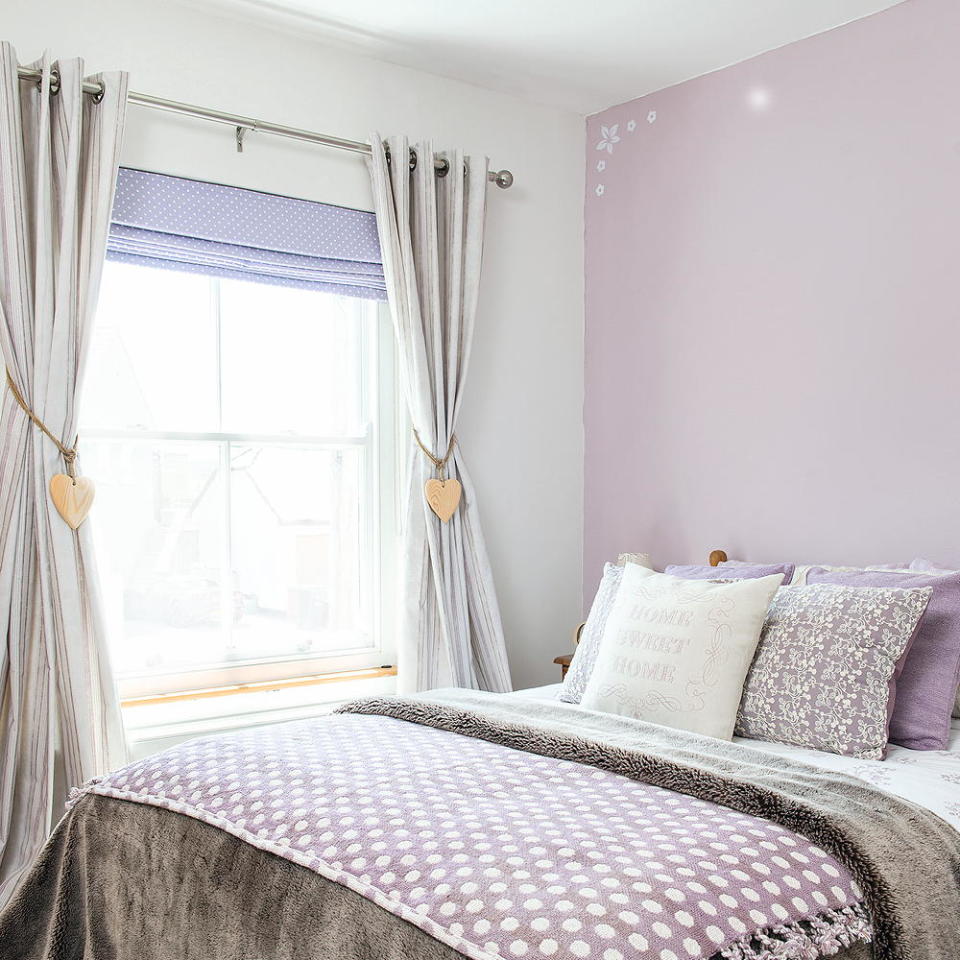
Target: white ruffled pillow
585,655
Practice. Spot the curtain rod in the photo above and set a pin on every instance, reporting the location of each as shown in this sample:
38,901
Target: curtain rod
502,178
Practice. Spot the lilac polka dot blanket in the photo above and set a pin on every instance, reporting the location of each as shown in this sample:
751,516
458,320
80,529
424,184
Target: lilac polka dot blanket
508,828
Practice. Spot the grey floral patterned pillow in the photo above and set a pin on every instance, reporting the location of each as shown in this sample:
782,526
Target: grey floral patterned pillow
586,654
826,666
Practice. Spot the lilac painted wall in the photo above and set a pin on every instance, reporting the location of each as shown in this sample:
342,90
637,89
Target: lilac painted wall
773,305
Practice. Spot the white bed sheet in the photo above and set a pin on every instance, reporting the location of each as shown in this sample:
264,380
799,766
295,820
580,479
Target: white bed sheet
928,778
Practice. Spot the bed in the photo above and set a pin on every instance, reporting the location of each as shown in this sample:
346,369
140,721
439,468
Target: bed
466,824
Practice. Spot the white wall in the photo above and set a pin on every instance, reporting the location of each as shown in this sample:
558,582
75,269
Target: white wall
521,427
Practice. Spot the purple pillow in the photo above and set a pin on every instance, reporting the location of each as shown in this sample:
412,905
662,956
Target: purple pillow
928,682
733,569
922,565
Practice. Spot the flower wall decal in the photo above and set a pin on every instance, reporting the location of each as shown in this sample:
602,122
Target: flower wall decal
608,137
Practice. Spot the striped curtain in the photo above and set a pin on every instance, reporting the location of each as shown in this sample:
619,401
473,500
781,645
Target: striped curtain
58,707
431,241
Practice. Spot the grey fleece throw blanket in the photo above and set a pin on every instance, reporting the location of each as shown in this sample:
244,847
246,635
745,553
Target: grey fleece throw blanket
127,881
904,858
139,880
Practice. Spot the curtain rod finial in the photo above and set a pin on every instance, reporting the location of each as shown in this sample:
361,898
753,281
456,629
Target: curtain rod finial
502,178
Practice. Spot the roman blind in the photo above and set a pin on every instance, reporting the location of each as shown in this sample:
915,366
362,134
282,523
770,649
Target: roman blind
173,223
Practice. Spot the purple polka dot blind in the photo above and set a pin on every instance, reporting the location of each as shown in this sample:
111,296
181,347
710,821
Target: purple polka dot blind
173,223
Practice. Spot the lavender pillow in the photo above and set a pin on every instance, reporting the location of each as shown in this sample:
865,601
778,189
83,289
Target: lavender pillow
581,667
734,570
825,670
927,687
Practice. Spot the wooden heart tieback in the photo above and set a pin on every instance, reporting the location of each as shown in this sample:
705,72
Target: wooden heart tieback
443,497
71,495
442,493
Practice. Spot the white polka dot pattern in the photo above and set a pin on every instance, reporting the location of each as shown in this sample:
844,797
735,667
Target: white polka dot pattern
174,223
496,852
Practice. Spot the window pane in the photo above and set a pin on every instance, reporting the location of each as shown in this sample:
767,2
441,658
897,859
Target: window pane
160,524
297,584
291,361
297,544
153,361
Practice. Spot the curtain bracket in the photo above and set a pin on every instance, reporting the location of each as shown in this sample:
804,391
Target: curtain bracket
242,130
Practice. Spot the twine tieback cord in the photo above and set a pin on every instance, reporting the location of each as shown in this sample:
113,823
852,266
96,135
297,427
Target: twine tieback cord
69,454
439,462
443,495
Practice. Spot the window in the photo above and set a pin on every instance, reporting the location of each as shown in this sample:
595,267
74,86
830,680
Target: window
240,435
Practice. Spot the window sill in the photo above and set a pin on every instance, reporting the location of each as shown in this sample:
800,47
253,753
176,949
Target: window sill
262,686
156,723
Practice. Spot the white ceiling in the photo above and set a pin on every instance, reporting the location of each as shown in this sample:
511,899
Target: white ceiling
584,56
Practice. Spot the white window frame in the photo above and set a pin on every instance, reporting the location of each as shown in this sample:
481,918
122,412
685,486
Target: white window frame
381,474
